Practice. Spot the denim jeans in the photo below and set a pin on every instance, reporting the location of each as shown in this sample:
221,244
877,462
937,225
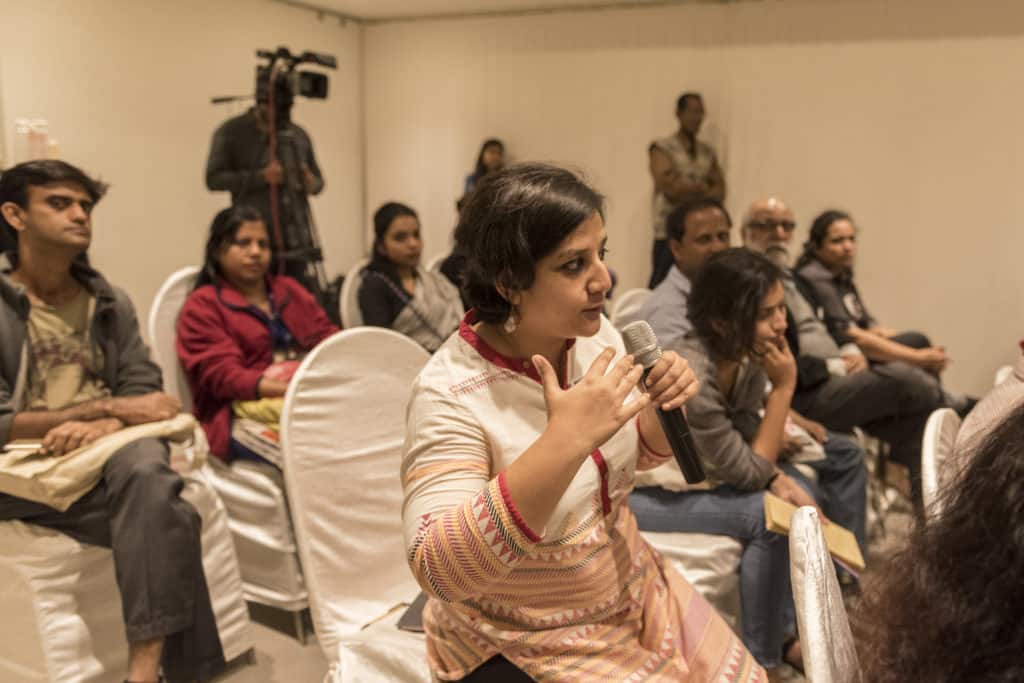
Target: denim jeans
766,598
841,490
765,592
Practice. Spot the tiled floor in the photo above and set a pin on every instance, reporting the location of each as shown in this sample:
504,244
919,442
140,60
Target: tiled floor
279,657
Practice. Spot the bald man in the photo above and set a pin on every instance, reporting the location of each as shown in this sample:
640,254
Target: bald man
838,387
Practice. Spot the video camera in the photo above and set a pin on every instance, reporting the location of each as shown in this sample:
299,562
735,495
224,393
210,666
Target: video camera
288,82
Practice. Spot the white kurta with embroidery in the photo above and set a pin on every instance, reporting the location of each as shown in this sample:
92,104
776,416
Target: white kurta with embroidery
583,599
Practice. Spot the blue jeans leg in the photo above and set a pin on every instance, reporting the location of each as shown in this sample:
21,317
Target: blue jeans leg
765,592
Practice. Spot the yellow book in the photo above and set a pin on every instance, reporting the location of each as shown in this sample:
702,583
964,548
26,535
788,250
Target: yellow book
842,545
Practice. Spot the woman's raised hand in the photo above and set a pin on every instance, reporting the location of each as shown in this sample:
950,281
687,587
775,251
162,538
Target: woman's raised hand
590,412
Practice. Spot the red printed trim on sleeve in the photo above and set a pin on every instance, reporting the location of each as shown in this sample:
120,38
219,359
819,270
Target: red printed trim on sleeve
602,467
514,511
647,446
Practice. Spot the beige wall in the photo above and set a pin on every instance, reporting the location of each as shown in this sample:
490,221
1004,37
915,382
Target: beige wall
905,113
125,85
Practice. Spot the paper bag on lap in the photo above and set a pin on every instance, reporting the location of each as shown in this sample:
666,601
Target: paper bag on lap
29,473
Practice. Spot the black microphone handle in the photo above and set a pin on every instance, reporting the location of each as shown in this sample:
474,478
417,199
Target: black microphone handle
677,431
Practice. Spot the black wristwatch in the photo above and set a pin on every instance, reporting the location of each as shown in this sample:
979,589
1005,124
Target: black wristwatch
771,480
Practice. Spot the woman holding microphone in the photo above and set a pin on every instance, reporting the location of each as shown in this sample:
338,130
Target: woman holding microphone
524,433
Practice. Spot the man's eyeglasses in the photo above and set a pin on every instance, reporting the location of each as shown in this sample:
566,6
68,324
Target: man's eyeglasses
770,225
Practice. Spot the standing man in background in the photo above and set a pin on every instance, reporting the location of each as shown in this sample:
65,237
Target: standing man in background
240,163
683,169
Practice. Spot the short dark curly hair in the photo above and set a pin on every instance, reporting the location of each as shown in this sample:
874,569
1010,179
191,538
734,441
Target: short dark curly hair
511,220
726,298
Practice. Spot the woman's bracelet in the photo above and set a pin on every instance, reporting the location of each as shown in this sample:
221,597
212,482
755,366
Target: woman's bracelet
647,446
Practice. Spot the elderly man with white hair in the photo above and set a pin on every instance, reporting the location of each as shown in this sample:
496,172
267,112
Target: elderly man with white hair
838,387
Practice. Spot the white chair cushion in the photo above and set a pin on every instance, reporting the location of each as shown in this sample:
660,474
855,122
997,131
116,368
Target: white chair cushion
61,609
381,652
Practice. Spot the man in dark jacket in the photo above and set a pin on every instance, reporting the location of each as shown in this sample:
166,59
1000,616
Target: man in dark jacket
240,163
73,368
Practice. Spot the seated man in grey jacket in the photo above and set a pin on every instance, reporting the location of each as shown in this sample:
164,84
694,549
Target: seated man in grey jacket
73,368
696,230
836,387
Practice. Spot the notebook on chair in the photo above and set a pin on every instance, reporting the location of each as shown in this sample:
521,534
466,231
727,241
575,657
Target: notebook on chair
412,618
842,544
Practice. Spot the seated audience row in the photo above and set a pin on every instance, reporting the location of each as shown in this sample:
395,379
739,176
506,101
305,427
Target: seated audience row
526,426
838,386
737,349
824,273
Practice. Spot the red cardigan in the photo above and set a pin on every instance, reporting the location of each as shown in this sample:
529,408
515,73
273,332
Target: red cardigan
224,347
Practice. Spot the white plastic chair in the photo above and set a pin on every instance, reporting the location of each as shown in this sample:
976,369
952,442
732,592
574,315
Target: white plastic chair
163,316
937,445
342,429
253,495
825,637
626,306
1002,374
348,299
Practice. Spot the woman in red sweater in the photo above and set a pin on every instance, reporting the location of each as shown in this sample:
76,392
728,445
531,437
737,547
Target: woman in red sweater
242,329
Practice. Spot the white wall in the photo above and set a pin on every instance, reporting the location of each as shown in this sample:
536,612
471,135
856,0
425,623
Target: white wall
906,114
126,84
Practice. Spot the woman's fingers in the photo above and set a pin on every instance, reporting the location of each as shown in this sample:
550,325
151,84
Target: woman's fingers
630,410
621,368
685,393
548,378
600,365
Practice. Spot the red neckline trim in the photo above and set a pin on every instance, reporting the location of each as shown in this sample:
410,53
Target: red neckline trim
523,366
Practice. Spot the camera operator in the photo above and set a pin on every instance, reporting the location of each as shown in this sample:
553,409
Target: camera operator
240,162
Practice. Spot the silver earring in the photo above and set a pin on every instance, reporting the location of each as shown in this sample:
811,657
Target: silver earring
511,322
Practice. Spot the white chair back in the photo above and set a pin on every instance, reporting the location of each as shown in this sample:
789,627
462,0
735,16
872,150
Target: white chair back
939,437
163,317
348,299
825,637
1002,374
626,307
342,429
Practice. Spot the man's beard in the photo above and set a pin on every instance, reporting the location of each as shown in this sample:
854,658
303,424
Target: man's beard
779,255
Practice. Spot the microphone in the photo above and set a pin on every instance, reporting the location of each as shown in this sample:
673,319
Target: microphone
640,341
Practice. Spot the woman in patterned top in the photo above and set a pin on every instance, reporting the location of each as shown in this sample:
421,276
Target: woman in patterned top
524,434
